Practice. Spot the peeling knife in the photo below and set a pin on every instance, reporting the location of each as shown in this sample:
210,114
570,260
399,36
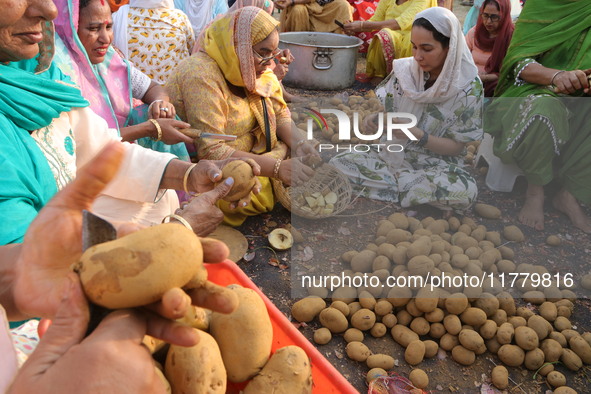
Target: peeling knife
96,230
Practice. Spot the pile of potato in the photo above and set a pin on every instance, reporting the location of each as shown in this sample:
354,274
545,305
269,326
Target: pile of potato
362,105
464,321
136,270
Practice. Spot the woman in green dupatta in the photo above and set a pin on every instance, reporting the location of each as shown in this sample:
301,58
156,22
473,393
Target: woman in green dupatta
546,131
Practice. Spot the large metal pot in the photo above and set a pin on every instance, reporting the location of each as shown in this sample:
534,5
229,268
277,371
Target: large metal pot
323,61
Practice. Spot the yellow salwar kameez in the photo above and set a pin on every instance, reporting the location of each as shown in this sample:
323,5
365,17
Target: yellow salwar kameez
209,91
389,44
316,17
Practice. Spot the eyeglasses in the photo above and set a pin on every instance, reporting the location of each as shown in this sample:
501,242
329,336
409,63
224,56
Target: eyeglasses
492,17
266,59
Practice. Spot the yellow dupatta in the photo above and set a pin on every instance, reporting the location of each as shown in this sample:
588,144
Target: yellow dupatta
229,42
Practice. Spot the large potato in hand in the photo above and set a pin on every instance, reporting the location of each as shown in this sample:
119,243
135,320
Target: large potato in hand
139,268
244,179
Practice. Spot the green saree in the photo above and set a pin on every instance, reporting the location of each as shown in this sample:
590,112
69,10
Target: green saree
544,133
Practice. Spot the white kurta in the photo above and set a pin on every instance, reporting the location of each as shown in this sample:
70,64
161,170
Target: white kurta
74,138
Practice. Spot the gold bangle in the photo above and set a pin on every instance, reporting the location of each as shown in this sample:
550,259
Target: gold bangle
158,130
182,220
276,168
186,177
361,25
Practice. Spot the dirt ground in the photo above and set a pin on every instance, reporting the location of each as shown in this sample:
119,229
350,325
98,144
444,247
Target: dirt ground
355,228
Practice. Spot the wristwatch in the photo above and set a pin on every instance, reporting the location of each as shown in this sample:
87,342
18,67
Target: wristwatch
423,140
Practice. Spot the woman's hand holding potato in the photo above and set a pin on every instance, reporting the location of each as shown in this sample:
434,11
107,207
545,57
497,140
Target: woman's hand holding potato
53,243
110,358
208,172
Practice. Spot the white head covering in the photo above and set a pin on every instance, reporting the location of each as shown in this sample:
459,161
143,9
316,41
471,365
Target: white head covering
120,20
457,73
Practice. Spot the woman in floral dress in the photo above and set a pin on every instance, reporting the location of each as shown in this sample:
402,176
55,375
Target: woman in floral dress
440,86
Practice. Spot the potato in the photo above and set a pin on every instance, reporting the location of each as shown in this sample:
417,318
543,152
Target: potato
548,311
345,294
420,325
463,356
287,371
153,344
135,270
435,316
540,325
505,333
334,320
415,352
403,335
488,330
244,179
562,323
342,307
492,345
470,339
322,336
447,342
196,369
487,211
375,373
500,377
306,309
419,378
404,318
558,337
534,359
488,303
512,355
546,369
244,336
380,361
367,300
552,350
426,299
456,303
580,346
357,351
378,330
526,338
513,233
556,379
473,316
565,390
389,320
420,247
163,379
400,220
362,261
363,319
452,324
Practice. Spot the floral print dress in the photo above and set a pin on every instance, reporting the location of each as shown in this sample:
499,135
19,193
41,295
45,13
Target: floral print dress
423,177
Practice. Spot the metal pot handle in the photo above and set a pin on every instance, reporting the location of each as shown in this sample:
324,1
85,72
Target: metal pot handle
322,60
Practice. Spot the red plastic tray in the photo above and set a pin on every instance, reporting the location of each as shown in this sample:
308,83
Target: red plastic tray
326,378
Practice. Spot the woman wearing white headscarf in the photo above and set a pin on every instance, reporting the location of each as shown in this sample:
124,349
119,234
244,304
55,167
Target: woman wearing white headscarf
440,86
153,35
201,12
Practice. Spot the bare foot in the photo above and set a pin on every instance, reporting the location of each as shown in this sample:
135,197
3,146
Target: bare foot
532,212
568,204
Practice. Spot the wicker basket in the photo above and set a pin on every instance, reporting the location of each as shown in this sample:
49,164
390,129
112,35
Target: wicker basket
325,178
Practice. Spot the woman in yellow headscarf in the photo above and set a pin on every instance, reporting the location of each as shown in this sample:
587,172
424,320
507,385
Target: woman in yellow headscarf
227,88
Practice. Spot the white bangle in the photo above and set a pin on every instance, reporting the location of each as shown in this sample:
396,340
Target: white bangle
554,76
182,220
152,103
186,177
